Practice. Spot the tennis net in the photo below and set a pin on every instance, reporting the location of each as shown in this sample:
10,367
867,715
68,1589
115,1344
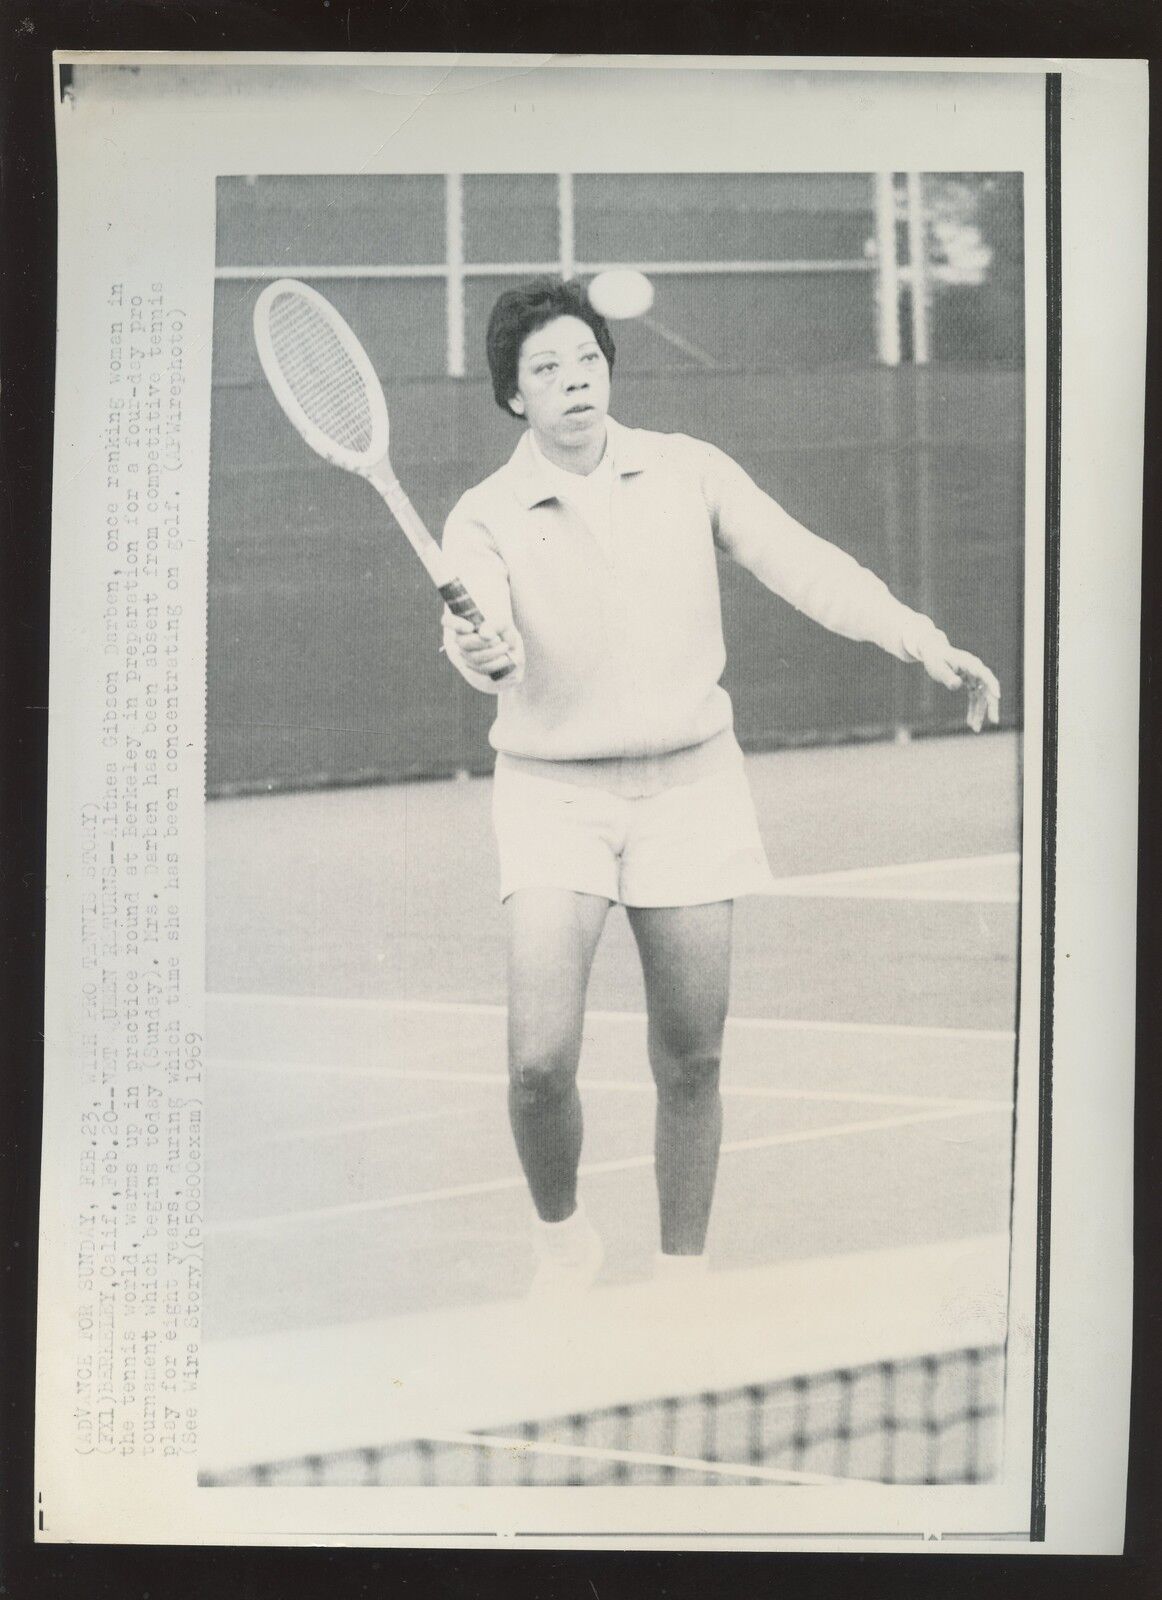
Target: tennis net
933,1420
885,1368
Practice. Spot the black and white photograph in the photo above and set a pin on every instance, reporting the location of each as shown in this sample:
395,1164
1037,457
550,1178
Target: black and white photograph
447,866
565,947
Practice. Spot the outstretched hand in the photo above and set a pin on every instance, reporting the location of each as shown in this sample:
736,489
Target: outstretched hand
959,668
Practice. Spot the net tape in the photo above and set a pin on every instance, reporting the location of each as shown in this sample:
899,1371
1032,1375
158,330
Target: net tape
319,371
931,1419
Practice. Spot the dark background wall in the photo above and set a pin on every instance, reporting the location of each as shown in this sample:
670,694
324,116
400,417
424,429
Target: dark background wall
323,630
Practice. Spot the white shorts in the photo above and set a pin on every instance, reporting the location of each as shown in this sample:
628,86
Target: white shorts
687,845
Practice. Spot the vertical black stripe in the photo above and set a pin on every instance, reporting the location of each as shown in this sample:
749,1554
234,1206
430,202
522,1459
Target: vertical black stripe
1049,791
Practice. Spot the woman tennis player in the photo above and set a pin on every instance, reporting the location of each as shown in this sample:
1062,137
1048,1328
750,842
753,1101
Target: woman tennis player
618,775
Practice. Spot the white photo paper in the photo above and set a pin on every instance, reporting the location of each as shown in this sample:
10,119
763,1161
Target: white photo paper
849,1269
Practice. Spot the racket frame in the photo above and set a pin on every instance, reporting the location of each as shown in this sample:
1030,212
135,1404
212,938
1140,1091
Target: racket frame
360,461
374,463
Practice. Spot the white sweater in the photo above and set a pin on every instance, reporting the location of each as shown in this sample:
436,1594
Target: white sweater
624,639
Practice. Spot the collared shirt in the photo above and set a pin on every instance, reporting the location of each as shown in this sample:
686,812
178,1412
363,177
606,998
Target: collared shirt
623,641
589,494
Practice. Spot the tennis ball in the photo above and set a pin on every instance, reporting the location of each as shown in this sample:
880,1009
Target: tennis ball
621,294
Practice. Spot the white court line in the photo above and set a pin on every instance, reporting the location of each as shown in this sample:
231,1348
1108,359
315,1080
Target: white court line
1010,858
800,889
486,1009
757,1091
465,1191
867,883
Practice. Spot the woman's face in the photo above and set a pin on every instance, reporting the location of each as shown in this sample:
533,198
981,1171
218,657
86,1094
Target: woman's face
562,383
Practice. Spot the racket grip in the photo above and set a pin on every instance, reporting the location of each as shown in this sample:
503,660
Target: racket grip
461,604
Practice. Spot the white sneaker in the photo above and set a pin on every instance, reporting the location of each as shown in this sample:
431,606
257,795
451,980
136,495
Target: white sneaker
571,1255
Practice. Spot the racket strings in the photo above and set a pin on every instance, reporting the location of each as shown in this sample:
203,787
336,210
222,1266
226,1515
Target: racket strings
320,374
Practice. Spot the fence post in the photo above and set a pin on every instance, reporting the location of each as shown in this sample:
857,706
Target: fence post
918,270
890,354
919,283
454,260
887,271
565,224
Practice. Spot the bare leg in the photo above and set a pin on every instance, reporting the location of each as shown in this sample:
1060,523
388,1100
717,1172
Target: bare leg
685,953
552,938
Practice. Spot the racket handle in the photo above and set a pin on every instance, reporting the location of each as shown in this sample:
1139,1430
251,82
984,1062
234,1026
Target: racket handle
452,591
461,604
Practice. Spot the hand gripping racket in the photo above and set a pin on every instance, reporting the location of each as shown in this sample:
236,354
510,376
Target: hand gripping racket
324,381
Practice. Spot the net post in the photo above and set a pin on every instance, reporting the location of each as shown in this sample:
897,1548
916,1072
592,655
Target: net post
566,224
887,271
454,262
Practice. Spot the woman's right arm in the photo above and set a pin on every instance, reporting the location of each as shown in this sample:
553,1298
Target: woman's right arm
481,568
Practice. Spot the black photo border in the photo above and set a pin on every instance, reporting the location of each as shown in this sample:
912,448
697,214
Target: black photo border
28,34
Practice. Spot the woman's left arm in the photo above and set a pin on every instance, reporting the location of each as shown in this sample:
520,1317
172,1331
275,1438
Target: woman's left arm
827,584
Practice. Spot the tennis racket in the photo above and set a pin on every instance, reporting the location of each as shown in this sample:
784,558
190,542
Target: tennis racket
322,378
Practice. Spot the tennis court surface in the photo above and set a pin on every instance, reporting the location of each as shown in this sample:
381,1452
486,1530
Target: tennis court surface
369,1225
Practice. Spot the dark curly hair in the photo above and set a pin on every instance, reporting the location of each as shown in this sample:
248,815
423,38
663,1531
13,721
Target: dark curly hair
519,312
